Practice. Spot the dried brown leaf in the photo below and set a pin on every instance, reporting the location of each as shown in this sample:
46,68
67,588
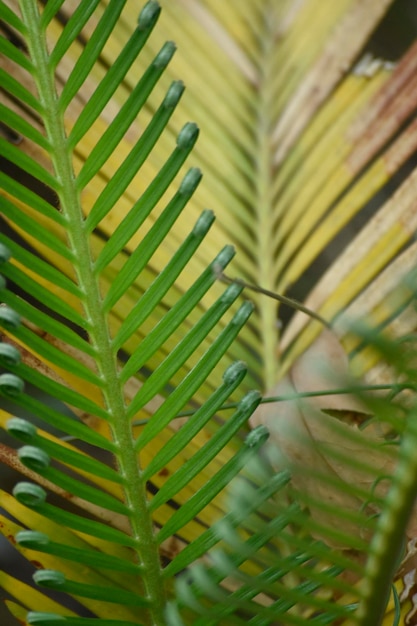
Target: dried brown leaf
325,455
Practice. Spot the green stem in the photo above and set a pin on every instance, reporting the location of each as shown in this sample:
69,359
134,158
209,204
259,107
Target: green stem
303,394
79,243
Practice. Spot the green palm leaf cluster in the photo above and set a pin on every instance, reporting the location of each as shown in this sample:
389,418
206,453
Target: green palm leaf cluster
129,366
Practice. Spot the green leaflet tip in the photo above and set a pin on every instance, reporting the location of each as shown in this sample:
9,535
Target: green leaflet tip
38,619
223,258
149,15
9,318
257,437
31,539
250,402
223,563
49,578
2,282
29,494
173,94
165,55
172,615
243,313
11,385
21,429
188,136
5,253
34,458
190,181
236,371
231,293
9,355
203,223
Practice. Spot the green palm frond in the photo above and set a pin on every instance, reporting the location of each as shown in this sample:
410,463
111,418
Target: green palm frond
66,319
129,366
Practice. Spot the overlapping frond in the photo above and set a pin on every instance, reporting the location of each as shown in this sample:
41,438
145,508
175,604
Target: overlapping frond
308,128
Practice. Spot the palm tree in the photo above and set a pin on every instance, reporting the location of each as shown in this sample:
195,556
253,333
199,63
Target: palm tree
155,484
